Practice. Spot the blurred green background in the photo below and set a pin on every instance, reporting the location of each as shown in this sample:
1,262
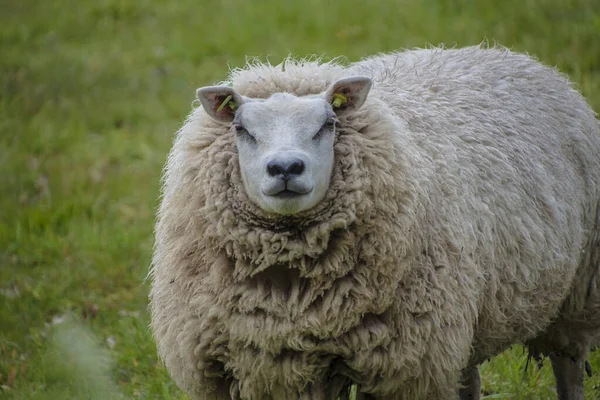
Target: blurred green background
91,93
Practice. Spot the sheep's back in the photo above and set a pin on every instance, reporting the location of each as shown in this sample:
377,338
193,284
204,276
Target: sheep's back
514,156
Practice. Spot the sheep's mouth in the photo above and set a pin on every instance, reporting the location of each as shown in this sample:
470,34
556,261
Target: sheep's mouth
288,194
287,190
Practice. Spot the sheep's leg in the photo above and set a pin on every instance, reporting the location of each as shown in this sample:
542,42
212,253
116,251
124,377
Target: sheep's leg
470,384
568,372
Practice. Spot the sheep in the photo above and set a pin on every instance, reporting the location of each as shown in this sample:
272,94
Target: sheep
391,223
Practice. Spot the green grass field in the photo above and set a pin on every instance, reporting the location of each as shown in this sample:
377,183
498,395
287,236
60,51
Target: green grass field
90,96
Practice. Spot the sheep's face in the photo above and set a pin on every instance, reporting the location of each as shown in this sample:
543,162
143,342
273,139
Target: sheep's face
285,143
285,147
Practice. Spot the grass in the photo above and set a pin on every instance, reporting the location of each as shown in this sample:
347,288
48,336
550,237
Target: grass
90,95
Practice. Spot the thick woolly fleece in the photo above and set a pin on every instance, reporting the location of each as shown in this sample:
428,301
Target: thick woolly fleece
462,212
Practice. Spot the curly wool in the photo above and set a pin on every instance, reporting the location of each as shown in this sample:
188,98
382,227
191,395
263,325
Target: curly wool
463,194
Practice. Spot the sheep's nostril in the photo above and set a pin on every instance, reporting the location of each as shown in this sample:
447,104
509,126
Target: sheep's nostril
296,168
285,168
275,169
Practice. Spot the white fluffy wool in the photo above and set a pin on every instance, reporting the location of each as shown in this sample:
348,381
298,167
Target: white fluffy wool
462,217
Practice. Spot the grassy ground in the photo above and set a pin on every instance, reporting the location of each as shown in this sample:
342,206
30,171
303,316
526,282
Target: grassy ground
90,94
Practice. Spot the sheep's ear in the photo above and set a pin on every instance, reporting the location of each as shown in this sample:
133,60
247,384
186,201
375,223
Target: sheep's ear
348,94
220,102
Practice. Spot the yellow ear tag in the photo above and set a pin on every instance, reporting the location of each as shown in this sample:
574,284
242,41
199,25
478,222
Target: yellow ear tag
224,103
339,99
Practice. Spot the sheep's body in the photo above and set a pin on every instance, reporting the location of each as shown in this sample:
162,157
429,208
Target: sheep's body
462,217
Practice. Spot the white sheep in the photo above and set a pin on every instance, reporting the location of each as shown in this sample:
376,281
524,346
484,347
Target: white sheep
317,232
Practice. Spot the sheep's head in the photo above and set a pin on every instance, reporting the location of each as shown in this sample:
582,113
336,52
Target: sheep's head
285,143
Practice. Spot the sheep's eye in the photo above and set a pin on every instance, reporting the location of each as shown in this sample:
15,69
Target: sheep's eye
242,132
328,126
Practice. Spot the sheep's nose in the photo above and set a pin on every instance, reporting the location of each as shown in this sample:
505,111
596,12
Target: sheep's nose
285,167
